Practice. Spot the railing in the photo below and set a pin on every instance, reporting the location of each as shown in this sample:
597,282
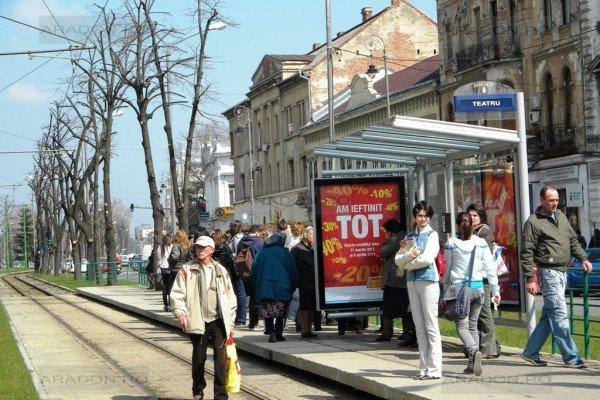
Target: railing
489,49
587,336
559,138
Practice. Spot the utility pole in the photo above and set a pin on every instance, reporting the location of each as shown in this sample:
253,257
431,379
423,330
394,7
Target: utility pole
25,255
330,77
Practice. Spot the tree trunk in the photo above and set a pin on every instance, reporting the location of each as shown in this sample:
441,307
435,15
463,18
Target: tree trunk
158,213
111,255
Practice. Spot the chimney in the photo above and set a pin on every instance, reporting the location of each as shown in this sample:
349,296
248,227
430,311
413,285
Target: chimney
340,34
396,3
316,45
366,12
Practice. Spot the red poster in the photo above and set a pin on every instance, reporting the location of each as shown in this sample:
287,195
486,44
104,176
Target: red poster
499,204
350,214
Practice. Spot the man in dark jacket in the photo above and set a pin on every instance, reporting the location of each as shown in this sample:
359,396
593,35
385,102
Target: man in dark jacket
254,243
549,242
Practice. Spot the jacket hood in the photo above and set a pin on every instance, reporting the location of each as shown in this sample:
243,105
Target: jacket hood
466,245
249,241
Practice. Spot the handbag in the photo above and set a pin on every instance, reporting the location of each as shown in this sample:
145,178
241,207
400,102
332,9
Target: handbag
457,296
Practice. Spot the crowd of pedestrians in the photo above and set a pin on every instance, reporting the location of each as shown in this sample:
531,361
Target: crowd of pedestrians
268,273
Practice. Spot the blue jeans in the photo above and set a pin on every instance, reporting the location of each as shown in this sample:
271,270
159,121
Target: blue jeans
240,293
555,318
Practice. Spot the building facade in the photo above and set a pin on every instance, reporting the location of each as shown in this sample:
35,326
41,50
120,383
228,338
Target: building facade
219,189
289,94
534,46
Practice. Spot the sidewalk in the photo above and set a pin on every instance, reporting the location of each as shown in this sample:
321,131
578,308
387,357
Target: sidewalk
382,369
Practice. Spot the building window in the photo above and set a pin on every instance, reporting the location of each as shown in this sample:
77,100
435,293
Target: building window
568,83
494,18
302,113
291,174
276,127
277,178
549,97
448,47
231,194
303,171
461,35
242,186
450,113
548,15
513,17
565,6
315,169
477,19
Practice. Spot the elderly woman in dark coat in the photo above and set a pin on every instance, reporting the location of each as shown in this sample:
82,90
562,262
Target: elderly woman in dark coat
303,254
274,279
395,296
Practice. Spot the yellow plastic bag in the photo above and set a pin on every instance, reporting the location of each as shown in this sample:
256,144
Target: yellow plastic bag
233,379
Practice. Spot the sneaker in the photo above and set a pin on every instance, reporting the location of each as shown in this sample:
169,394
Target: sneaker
535,362
477,368
420,377
580,364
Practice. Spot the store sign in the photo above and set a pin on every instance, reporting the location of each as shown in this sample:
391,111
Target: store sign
574,195
560,174
349,218
485,102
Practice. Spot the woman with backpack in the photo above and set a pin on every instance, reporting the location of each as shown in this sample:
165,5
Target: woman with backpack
490,348
416,259
468,261
163,268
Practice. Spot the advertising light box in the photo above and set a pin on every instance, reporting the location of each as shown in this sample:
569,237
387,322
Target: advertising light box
349,218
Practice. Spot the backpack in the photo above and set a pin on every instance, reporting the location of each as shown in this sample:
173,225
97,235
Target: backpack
440,264
243,263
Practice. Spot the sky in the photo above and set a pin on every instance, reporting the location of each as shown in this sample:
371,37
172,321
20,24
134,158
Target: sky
261,27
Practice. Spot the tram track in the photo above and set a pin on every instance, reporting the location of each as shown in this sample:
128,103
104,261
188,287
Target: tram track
40,296
278,382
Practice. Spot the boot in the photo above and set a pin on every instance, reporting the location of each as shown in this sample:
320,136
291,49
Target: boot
474,365
387,330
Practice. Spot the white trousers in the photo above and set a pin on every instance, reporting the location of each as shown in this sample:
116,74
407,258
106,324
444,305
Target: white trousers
424,297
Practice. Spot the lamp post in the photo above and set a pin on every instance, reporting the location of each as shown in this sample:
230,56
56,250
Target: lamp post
239,112
372,45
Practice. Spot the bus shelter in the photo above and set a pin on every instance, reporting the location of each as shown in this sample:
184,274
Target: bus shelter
427,151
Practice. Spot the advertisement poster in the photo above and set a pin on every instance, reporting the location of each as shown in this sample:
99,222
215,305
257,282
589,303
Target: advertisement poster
349,218
495,190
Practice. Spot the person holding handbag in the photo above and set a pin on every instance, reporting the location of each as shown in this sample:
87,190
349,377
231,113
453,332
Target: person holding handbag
490,348
416,259
468,261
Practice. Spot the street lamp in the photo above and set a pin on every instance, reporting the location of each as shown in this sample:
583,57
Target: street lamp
239,112
372,45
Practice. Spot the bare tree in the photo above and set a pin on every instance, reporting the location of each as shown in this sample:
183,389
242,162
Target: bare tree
134,62
205,14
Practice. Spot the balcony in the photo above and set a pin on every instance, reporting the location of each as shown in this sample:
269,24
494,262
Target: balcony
556,141
489,49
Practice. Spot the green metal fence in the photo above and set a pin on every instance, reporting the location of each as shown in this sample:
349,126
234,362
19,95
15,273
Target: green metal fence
574,316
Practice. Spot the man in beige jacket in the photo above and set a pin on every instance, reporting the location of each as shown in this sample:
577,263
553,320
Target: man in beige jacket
204,303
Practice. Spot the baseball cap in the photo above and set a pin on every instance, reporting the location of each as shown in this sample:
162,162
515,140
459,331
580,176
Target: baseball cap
205,241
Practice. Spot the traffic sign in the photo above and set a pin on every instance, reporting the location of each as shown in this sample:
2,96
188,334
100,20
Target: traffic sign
485,102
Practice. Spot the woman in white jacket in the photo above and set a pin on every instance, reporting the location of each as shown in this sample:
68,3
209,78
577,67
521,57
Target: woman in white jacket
458,251
418,263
